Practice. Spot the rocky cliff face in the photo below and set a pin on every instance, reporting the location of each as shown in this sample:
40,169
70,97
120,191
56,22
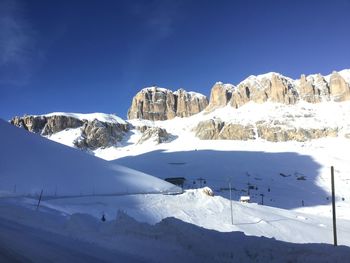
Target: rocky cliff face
277,88
215,129
46,125
339,88
94,134
274,122
282,134
97,134
162,104
220,95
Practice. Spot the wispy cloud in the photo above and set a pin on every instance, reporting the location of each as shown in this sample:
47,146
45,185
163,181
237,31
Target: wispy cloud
160,15
163,17
18,53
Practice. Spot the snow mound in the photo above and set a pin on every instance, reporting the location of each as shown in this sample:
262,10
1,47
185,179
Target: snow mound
30,163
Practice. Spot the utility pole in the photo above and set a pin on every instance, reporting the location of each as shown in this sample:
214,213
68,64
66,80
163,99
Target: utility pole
229,185
333,208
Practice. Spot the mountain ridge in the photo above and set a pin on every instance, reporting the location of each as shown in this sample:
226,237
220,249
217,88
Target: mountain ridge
276,108
156,103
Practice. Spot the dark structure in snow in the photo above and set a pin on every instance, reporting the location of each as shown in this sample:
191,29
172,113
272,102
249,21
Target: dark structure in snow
178,181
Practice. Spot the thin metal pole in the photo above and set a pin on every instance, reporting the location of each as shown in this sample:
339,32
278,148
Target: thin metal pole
229,184
41,194
333,208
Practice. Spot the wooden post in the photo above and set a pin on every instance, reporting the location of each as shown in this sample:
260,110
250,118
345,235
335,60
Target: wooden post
333,208
41,194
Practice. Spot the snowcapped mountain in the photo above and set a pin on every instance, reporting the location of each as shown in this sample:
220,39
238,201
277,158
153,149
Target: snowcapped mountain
279,147
271,107
271,138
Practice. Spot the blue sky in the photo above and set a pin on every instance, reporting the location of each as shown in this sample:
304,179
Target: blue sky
94,56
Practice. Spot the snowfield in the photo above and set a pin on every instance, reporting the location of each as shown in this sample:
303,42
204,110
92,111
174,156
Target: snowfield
288,183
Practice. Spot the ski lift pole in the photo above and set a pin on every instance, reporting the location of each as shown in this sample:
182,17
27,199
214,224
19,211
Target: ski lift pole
229,185
333,208
41,194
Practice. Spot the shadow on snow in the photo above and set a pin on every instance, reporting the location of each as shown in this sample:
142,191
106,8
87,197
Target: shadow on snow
285,180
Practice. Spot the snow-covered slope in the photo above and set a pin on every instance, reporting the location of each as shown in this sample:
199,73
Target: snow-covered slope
48,235
195,207
290,175
30,163
302,114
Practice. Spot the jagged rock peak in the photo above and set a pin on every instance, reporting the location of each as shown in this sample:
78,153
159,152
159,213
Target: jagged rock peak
220,95
155,103
276,87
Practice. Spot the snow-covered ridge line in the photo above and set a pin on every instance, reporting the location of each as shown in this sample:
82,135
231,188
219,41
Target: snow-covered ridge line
103,117
153,88
345,74
160,89
193,94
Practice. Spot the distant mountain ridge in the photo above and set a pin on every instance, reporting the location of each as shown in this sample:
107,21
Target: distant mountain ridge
277,88
156,103
277,108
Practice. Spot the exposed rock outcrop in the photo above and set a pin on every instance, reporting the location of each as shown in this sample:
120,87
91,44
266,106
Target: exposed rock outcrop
308,90
46,125
162,104
155,134
269,87
339,88
59,123
220,95
232,131
209,130
281,134
94,134
30,123
97,134
215,129
189,103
